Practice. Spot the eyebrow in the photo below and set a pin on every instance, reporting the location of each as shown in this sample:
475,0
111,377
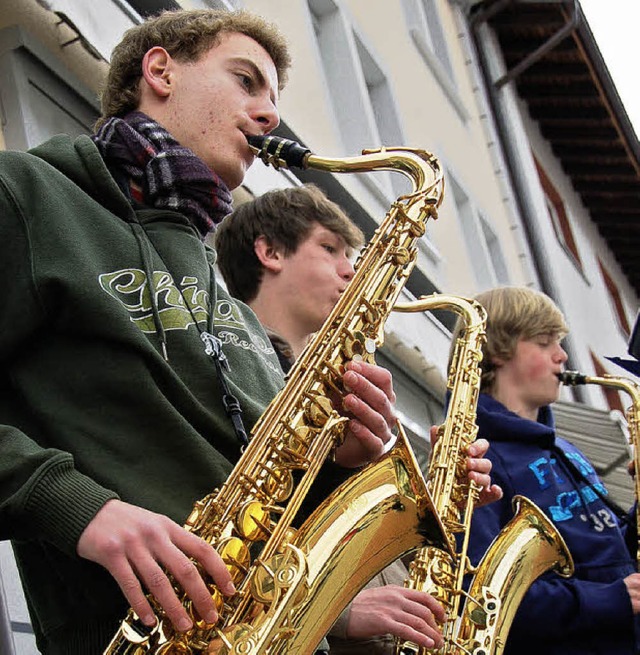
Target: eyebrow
260,76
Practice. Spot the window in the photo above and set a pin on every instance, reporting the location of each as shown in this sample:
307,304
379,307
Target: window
616,300
483,245
39,99
558,216
360,91
494,251
425,27
427,32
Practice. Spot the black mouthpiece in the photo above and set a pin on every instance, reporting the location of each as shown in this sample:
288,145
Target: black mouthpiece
278,152
572,378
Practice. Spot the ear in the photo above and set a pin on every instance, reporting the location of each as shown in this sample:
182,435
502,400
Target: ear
269,255
497,362
156,71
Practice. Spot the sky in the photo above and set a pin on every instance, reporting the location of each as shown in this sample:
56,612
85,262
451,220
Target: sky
615,24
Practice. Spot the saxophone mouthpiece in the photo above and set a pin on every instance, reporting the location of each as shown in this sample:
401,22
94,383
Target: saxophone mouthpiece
279,152
571,378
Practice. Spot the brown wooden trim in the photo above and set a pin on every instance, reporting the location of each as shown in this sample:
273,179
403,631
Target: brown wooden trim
612,396
565,237
616,299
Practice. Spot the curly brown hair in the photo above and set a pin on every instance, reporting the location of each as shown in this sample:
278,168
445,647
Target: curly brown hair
186,35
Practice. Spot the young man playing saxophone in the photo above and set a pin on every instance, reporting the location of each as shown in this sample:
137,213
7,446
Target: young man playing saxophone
594,612
288,255
112,417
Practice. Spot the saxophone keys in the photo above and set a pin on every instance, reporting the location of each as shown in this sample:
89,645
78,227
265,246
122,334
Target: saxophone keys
401,256
198,621
174,648
276,574
134,630
355,345
318,410
295,443
253,521
278,484
225,640
263,584
236,556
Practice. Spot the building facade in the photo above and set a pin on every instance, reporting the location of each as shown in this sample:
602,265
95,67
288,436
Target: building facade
431,74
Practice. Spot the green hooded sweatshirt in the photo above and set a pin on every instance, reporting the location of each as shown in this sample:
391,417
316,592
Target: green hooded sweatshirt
90,409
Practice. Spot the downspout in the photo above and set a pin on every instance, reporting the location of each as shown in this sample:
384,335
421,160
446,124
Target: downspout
496,153
502,98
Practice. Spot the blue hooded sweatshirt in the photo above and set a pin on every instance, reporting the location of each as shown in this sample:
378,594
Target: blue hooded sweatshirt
589,613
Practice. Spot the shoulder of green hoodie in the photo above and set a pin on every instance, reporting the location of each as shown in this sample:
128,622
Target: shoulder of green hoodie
67,171
37,482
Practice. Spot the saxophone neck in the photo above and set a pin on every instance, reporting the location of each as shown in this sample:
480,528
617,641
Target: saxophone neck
472,312
619,382
420,166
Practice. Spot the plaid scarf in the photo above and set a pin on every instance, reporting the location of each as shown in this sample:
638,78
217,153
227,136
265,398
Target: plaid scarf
155,170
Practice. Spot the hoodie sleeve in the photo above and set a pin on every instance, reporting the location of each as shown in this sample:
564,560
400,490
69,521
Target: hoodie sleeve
42,495
560,608
554,607
487,521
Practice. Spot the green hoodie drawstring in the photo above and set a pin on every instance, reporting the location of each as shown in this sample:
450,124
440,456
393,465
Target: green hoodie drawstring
212,344
146,256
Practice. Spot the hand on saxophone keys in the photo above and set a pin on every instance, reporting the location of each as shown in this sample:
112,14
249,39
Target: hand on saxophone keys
136,546
369,403
408,614
479,469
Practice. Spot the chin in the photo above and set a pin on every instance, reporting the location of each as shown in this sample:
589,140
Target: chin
232,173
233,180
555,398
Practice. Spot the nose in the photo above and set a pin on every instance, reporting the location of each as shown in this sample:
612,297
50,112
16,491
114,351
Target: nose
347,270
561,354
266,114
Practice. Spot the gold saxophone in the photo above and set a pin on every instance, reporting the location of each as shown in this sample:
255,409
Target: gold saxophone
292,584
632,414
526,547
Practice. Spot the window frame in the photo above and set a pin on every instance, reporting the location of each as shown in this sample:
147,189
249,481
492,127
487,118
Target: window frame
615,299
473,224
612,396
559,218
354,83
437,58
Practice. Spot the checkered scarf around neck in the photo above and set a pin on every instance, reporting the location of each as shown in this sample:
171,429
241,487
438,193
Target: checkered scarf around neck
155,170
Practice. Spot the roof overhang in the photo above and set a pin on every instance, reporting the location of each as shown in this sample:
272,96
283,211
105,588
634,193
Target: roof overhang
552,57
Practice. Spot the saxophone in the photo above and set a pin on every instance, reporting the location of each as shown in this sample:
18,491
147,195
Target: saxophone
632,414
527,546
293,583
